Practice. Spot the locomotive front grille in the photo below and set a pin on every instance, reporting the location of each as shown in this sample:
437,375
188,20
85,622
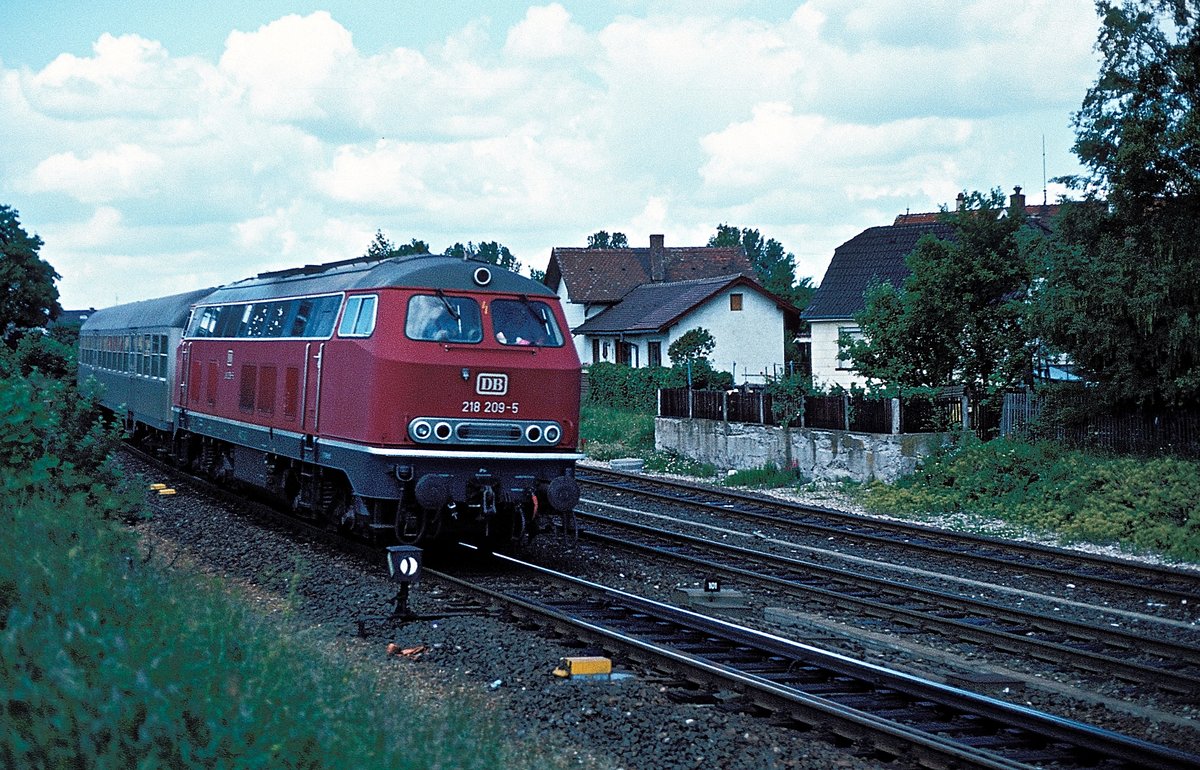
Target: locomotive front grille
489,432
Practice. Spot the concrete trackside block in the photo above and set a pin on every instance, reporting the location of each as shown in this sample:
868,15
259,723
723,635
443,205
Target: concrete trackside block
629,464
725,600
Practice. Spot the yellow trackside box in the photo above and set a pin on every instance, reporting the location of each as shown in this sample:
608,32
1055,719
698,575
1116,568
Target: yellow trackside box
594,666
157,487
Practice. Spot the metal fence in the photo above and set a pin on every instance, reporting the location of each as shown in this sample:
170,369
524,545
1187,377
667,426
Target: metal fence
1072,421
838,412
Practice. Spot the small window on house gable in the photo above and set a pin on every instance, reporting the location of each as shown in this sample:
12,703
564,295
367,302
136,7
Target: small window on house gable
735,302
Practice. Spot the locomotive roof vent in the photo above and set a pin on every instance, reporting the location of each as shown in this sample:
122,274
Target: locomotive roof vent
482,276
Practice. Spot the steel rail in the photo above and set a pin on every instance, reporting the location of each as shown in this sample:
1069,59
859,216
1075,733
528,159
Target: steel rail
1172,584
1048,638
898,713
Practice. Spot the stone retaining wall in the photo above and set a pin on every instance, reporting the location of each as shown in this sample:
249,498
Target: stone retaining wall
818,455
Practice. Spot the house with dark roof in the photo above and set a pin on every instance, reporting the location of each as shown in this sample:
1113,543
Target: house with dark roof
877,254
628,305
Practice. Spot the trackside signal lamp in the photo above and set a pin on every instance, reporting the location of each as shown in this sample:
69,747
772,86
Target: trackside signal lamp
404,567
404,563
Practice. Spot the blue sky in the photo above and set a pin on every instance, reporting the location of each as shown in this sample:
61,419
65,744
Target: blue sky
160,147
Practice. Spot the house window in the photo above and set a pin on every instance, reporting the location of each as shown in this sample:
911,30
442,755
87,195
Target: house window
654,353
847,334
735,302
627,354
595,350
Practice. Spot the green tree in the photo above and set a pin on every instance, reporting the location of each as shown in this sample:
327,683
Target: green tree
382,247
490,251
960,314
28,296
1121,288
693,345
602,240
775,268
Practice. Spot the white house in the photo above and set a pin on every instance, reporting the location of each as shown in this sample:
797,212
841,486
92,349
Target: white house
628,305
876,254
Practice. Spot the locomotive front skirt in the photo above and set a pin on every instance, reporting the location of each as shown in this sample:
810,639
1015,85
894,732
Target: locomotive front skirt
416,397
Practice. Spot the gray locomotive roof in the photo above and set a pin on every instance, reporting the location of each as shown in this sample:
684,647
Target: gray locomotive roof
428,271
164,311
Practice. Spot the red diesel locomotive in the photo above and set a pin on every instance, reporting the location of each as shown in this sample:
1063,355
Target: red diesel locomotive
413,398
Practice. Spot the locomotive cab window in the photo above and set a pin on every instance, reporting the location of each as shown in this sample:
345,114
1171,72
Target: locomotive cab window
442,318
359,318
524,322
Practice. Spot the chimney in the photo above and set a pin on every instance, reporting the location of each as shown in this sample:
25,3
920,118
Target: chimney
960,202
658,259
1016,201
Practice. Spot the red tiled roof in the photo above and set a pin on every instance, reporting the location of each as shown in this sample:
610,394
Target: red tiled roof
607,275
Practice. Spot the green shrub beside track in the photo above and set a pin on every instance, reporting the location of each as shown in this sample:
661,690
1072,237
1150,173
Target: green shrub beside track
112,660
1147,504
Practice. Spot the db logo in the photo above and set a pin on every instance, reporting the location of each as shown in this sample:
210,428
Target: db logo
491,384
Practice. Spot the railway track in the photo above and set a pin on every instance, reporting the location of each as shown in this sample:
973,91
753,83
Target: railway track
1172,588
889,713
1152,663
877,713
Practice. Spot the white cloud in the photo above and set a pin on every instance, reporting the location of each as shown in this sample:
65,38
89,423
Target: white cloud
546,32
128,76
294,146
126,169
289,67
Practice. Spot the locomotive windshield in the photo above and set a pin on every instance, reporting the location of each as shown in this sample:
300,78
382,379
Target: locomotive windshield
524,322
441,318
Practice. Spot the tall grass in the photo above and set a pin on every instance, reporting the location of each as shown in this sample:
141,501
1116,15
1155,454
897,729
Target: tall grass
111,660
609,432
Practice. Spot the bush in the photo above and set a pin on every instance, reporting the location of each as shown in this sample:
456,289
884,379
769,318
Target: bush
113,661
1145,504
617,385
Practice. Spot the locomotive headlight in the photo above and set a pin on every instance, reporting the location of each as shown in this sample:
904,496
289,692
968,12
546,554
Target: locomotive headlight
533,433
552,434
420,430
442,431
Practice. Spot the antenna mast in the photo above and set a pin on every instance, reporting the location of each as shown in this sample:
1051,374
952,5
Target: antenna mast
1044,170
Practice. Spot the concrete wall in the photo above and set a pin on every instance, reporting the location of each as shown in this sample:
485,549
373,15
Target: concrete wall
818,455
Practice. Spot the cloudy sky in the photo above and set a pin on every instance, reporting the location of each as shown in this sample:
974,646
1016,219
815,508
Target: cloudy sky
163,146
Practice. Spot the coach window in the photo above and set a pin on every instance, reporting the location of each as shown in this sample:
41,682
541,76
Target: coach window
359,318
441,318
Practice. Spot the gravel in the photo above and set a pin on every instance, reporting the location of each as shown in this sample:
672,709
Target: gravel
639,719
633,721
